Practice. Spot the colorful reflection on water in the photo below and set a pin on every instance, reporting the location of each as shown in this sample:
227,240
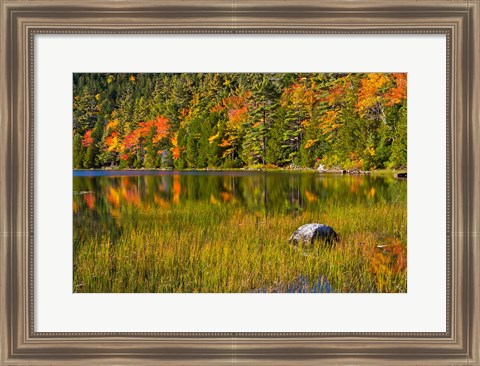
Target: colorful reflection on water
106,191
104,194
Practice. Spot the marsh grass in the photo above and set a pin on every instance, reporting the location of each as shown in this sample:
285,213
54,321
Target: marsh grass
208,248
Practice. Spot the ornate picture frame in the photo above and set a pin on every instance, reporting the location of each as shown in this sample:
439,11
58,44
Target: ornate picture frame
21,21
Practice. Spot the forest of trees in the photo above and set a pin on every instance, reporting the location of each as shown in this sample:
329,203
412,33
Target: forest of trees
196,121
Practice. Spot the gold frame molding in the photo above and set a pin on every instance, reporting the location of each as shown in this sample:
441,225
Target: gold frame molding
21,20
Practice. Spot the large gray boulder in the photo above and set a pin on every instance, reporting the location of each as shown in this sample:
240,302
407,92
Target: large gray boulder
308,233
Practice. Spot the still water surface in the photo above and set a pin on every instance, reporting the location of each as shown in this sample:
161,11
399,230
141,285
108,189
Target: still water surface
272,193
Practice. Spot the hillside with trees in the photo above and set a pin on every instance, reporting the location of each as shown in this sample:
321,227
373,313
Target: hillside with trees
197,121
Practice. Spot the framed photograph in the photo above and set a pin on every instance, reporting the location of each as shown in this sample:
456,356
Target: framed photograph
240,182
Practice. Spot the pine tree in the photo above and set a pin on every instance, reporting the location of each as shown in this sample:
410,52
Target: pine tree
238,120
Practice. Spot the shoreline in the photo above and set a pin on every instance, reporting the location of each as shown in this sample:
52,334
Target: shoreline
333,171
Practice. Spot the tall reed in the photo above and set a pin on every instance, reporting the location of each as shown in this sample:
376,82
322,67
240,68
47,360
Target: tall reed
202,247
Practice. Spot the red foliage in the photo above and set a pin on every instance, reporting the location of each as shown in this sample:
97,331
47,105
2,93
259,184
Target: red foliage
131,141
161,128
175,149
232,103
176,152
398,93
335,94
156,130
237,115
87,139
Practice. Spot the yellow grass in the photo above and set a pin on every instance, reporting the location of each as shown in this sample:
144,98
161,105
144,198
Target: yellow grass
202,247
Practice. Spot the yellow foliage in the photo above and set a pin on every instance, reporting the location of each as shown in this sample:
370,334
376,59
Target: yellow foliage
211,139
310,143
97,96
305,123
114,142
369,94
112,125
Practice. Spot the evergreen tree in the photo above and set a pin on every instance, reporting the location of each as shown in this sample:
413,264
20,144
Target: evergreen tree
237,120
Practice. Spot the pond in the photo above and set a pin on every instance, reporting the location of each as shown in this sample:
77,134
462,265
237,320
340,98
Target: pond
227,231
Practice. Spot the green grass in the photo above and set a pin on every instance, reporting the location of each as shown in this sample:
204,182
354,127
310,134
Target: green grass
203,247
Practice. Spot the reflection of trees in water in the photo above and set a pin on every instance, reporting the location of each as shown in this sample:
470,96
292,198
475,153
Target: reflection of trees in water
102,198
93,220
